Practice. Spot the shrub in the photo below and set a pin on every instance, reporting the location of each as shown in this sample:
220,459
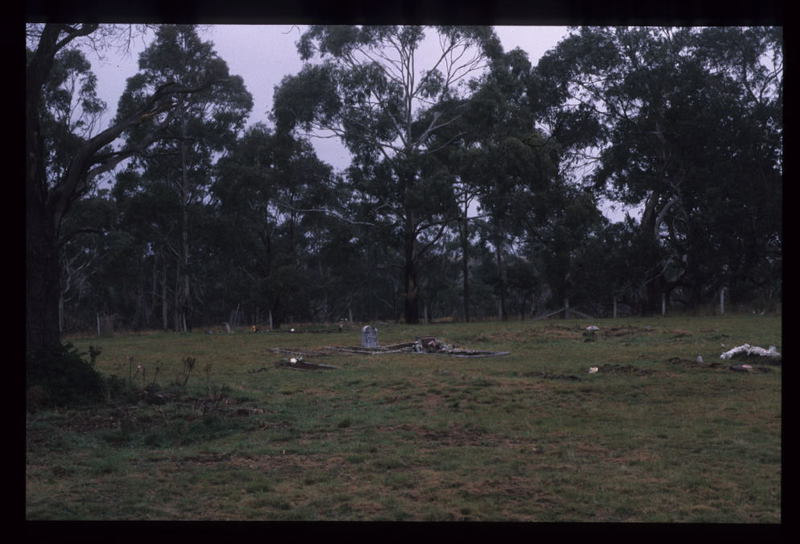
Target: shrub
61,377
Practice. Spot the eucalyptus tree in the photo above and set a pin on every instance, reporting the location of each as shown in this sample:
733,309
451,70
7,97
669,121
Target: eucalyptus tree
372,87
65,152
682,122
744,232
264,192
508,161
187,139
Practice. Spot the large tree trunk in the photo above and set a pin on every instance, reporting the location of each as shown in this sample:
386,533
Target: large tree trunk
411,302
47,205
648,232
177,303
43,271
465,260
186,292
164,300
501,279
43,288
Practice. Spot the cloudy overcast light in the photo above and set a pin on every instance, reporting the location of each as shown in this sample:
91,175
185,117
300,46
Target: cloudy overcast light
264,54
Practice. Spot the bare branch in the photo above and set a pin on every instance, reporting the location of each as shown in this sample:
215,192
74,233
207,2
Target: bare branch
159,102
326,211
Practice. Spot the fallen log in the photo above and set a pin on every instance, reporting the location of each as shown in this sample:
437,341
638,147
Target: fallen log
426,346
303,365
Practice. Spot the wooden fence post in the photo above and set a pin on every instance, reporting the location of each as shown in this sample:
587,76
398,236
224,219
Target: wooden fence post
722,301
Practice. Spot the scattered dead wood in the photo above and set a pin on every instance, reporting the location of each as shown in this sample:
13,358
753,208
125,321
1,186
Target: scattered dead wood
427,345
749,368
470,354
753,354
323,352
299,364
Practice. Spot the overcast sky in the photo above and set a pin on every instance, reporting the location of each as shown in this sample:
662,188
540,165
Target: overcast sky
264,54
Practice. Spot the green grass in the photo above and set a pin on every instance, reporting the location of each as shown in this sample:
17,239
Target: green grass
526,437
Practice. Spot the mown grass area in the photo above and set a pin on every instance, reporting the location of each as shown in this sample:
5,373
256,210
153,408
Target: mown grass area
531,436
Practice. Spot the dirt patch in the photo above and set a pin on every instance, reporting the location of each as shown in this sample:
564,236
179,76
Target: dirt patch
556,332
564,332
624,369
453,436
282,461
634,456
688,363
432,401
693,364
614,332
90,423
548,376
559,331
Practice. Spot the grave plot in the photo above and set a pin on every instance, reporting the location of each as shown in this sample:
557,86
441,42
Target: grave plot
428,345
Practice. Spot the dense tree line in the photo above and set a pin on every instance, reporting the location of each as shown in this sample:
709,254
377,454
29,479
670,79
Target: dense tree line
475,187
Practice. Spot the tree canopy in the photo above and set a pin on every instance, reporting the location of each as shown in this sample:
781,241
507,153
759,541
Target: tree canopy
475,187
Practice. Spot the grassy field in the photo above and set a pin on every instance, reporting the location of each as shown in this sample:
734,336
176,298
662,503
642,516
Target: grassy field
530,436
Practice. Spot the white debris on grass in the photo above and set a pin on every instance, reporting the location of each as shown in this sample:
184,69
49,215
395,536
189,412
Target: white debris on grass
747,349
593,370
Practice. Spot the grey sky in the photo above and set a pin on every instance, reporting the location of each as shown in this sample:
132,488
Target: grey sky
264,54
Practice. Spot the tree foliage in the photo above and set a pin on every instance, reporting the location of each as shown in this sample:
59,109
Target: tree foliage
475,188
370,91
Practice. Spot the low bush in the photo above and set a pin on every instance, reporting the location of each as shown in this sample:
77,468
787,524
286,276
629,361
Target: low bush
61,377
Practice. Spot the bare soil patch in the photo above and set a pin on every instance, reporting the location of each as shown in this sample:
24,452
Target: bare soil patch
624,369
613,332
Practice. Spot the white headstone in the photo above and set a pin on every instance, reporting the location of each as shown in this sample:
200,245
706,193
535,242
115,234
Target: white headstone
369,337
